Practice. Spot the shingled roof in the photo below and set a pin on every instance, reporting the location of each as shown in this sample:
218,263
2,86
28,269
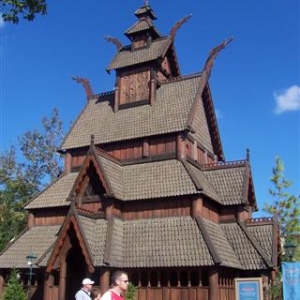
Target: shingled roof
95,231
160,242
126,57
55,195
168,115
249,252
151,243
228,180
142,25
263,230
38,239
147,181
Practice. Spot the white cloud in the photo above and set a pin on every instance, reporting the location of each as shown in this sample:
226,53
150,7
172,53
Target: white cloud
287,100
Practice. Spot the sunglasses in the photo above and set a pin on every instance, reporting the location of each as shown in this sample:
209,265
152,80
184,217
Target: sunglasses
125,281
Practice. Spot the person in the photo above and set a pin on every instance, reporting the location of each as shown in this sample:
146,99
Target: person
95,294
85,292
119,281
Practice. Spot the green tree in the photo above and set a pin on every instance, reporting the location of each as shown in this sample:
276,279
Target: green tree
12,10
27,172
14,290
131,292
286,207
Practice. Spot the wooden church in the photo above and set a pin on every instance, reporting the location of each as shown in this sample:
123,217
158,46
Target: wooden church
146,189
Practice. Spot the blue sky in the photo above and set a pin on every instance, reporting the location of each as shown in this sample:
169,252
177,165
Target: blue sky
255,82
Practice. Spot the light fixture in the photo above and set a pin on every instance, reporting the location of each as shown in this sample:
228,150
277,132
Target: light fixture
30,262
289,249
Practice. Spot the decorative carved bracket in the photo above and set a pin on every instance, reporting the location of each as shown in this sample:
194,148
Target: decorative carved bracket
178,25
113,40
213,55
86,84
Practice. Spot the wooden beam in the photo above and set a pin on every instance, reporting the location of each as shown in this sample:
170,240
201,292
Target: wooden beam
213,284
62,279
48,284
104,281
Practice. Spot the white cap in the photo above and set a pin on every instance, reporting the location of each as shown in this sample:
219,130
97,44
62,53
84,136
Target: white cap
87,281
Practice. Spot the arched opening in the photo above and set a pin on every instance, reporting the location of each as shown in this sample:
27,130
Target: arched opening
76,269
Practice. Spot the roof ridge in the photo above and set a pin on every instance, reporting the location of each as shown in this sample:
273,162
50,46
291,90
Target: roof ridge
102,94
182,77
219,165
107,155
258,221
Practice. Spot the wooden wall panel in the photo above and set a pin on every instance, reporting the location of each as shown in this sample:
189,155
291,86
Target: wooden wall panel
134,149
176,294
210,212
157,208
157,295
142,294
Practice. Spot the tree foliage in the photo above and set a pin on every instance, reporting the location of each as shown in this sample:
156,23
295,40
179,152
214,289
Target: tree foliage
286,207
131,292
14,290
26,172
12,10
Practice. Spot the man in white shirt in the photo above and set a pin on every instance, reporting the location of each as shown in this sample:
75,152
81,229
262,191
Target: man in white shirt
85,292
120,283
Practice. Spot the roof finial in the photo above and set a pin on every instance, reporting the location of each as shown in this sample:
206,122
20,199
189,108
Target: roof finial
146,2
248,154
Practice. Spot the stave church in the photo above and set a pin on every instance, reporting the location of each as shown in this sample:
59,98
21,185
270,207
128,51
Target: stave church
146,188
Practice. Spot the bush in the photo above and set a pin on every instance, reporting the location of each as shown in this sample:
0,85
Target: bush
14,289
131,292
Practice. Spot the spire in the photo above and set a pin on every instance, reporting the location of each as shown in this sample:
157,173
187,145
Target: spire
145,11
247,154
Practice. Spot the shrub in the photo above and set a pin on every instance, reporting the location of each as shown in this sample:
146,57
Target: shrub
14,289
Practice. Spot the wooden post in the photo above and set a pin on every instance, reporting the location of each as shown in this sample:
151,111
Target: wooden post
194,151
68,163
205,157
2,282
197,207
62,279
145,148
30,220
152,91
213,284
104,281
116,104
180,145
48,285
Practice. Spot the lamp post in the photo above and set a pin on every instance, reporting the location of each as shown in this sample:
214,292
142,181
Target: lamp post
289,249
30,262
